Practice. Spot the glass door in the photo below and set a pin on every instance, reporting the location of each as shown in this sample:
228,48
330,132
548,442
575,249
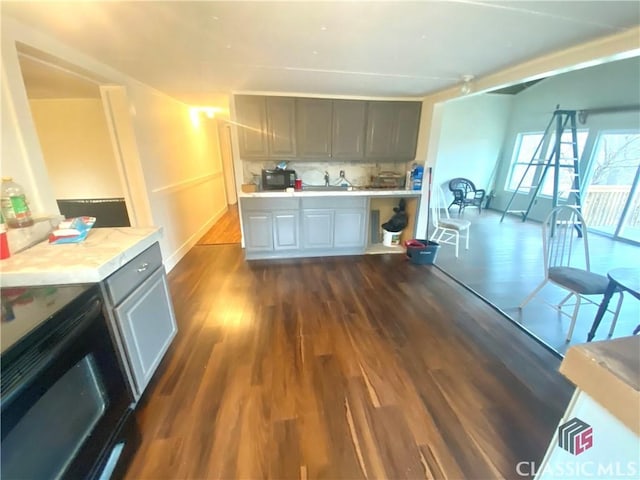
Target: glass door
612,203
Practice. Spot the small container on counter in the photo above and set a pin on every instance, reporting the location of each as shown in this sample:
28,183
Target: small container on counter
15,208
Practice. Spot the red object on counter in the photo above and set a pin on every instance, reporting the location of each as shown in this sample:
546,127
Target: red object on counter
4,243
298,184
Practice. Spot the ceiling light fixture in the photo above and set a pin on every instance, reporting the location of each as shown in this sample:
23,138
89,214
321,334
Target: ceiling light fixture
465,89
196,112
323,28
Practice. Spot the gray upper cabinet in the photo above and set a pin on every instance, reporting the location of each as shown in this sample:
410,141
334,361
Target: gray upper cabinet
407,124
349,121
252,126
380,122
392,130
313,119
319,129
281,125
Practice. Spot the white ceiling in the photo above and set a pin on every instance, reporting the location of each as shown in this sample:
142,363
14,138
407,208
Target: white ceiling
195,50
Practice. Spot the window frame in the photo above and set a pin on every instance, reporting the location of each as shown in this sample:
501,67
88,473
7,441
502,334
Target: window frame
538,169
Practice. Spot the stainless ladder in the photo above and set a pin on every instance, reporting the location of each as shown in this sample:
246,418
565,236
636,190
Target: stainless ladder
561,120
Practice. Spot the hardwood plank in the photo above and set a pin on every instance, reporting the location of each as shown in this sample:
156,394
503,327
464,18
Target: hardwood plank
351,367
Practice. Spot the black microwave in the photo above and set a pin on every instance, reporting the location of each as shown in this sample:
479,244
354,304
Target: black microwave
278,179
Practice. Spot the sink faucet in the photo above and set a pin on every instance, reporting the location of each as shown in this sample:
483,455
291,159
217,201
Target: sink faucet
326,179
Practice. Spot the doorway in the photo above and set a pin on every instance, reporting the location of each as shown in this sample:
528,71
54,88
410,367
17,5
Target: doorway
69,118
227,229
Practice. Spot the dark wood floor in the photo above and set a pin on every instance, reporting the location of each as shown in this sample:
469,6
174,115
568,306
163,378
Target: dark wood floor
226,230
351,367
504,264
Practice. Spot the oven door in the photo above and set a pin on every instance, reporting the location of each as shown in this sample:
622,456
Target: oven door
63,399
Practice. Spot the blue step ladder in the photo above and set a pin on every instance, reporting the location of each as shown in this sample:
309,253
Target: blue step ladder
561,121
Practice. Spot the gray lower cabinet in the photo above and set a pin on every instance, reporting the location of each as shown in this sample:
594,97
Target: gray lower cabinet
270,225
138,303
334,225
317,228
285,230
258,231
146,327
292,227
349,228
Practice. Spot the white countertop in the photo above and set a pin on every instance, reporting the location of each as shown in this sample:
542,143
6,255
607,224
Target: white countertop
103,252
332,193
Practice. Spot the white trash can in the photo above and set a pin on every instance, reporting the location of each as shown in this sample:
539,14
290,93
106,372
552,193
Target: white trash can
389,239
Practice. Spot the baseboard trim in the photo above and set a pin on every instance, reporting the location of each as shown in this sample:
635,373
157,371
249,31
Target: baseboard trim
188,244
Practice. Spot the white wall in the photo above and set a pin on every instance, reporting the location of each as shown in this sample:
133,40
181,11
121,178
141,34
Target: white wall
76,146
609,85
179,163
472,132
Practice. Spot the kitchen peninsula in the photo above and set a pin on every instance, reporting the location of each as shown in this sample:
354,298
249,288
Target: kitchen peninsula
127,265
280,224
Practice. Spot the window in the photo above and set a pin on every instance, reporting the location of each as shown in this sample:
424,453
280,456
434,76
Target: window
527,149
526,145
612,203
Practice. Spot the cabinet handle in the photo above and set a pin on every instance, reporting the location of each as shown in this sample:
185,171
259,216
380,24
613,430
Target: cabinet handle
143,267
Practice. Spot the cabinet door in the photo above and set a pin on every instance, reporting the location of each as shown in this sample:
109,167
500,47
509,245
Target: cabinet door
317,228
349,228
407,124
281,127
349,121
313,119
148,325
252,126
285,230
258,231
380,128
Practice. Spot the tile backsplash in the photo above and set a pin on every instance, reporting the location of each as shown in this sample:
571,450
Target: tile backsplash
312,173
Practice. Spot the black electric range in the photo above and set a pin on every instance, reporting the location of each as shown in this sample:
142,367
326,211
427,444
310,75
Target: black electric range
67,411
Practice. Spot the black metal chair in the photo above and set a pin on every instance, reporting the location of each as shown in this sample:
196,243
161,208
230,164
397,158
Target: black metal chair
466,194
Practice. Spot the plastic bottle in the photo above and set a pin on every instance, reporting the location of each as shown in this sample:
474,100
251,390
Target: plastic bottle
418,172
15,208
